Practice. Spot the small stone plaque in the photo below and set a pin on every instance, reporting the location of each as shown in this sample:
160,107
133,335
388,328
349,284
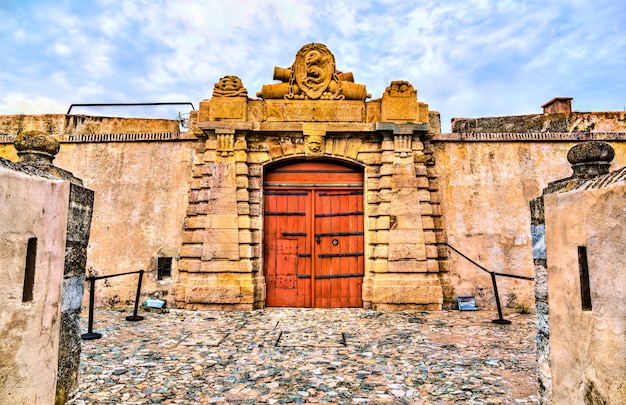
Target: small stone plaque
466,303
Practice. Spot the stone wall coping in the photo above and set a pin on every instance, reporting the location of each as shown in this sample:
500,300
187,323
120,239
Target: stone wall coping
530,136
96,138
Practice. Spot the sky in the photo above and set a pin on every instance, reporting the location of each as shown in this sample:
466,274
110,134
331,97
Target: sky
466,58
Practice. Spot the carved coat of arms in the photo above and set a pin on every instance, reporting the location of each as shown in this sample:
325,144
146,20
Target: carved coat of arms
313,69
313,76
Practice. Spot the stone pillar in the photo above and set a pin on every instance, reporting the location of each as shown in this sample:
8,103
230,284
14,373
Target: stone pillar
36,149
217,266
406,239
589,159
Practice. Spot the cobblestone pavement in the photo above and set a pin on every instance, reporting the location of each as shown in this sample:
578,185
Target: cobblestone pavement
300,356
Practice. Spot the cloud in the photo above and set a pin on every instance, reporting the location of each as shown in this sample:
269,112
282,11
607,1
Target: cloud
466,58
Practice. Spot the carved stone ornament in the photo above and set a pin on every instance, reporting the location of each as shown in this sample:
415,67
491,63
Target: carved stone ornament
401,88
229,86
402,145
313,76
225,144
314,145
313,69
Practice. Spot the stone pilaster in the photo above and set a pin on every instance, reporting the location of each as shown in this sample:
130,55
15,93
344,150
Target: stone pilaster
405,237
220,254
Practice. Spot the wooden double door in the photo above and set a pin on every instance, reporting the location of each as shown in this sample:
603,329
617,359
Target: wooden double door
313,236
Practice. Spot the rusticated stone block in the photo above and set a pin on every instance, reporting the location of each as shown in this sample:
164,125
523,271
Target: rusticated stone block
432,252
381,236
243,195
259,157
229,235
193,236
245,236
380,251
430,238
426,208
407,295
403,251
423,195
220,266
242,182
220,251
380,266
387,156
433,266
373,197
243,208
245,251
368,158
244,222
406,235
222,222
428,223
255,183
409,182
422,182
383,223
407,266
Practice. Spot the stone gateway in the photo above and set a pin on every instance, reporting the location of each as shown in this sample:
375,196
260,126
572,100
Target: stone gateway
312,196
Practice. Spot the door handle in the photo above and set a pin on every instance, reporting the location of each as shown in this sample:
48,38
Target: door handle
318,240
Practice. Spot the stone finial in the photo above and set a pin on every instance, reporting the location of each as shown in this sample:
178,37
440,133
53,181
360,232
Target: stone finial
590,159
229,86
35,148
401,88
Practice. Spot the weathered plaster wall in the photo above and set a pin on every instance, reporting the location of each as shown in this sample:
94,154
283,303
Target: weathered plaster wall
62,124
559,122
485,189
139,209
139,170
588,348
30,207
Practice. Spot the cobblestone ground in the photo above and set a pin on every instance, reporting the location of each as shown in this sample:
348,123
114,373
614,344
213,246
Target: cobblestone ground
299,356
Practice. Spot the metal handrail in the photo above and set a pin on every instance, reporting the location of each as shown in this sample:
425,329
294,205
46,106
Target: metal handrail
493,274
125,105
91,335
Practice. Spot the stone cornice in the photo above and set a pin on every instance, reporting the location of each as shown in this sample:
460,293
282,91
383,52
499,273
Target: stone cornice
530,137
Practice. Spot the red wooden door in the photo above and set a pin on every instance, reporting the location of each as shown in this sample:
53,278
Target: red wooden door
338,248
313,236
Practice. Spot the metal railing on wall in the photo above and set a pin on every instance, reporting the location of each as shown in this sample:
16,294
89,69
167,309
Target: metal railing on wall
91,335
493,274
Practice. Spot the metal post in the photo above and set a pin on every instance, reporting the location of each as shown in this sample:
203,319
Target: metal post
134,317
500,319
91,335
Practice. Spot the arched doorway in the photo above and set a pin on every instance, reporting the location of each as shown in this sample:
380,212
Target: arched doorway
314,235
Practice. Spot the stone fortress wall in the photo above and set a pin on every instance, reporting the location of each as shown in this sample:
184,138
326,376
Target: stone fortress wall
158,191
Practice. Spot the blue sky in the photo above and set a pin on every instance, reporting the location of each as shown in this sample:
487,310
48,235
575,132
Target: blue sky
466,58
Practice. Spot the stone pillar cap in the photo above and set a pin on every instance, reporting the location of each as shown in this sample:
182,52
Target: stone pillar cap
36,143
591,158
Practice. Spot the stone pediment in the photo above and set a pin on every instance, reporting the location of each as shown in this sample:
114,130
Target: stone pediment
313,76
310,90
